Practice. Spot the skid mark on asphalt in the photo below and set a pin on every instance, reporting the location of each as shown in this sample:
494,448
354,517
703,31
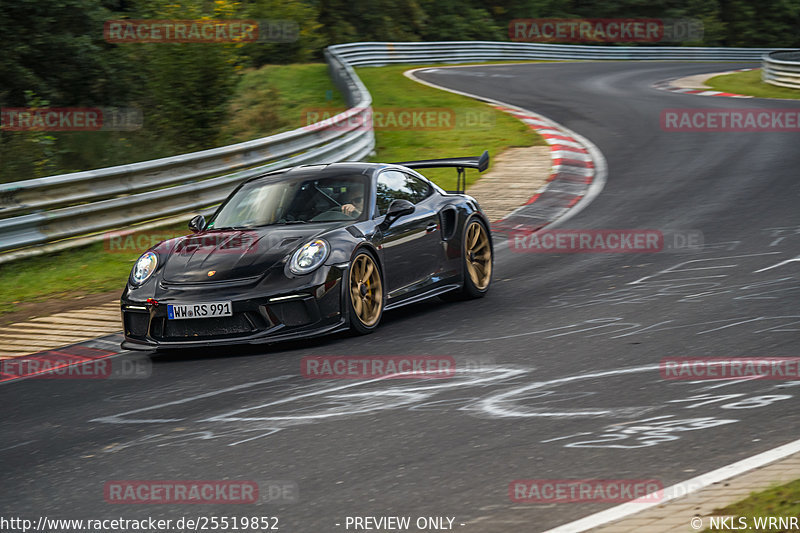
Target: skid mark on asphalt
689,281
46,333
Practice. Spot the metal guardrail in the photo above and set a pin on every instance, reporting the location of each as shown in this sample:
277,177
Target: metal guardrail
60,208
782,68
44,210
381,53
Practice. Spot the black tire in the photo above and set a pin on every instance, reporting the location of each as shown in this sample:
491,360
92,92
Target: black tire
477,258
364,293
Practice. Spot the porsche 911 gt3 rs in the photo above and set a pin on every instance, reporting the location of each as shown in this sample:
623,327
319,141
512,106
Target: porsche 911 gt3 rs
308,251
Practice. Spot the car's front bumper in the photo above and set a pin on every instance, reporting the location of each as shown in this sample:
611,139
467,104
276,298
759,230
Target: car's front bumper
304,308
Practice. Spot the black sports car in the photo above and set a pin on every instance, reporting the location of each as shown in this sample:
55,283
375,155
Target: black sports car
308,251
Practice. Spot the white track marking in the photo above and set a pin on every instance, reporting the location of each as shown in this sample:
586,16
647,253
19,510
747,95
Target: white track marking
117,419
494,405
679,490
793,260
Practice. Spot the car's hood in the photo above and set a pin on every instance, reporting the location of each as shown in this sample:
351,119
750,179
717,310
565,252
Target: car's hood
222,255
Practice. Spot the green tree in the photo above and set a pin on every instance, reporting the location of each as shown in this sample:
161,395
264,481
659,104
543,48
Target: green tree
183,88
453,20
309,42
764,23
55,48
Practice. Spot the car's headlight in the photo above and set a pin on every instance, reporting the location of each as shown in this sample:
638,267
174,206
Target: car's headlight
144,267
310,256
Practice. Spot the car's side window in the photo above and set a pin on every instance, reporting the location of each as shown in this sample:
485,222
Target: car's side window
393,185
421,188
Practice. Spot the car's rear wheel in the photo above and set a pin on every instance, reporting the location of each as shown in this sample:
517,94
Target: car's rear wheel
365,294
477,260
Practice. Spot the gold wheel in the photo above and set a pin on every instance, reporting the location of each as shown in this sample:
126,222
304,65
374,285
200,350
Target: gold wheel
366,290
478,255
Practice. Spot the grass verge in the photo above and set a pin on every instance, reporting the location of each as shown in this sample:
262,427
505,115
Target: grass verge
461,126
277,98
782,501
749,83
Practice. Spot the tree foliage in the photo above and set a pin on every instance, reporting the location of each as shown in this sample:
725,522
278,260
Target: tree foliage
54,51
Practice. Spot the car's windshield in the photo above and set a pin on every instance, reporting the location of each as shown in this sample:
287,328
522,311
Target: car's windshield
260,203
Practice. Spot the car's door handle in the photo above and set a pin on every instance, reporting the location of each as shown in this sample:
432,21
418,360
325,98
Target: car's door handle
433,226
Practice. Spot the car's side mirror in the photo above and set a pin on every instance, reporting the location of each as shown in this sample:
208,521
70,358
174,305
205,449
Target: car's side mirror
198,223
397,209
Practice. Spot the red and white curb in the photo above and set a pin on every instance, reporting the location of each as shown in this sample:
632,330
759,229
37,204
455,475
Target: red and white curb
568,154
571,176
667,85
577,175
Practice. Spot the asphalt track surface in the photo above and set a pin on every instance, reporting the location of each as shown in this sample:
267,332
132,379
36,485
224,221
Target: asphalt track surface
562,354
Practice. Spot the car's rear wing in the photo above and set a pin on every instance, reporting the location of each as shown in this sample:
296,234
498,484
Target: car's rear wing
459,163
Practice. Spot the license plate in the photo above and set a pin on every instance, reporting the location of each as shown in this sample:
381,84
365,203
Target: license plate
206,310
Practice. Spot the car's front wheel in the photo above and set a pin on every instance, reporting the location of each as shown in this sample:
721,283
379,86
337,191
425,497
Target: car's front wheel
365,294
